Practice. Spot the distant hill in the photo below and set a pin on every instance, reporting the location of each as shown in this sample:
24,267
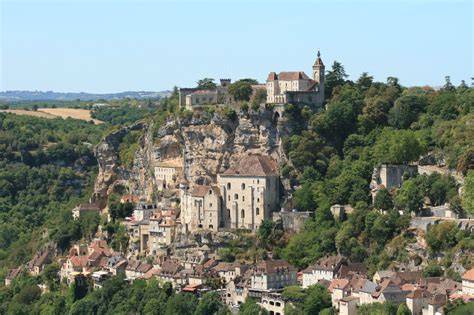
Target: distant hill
19,96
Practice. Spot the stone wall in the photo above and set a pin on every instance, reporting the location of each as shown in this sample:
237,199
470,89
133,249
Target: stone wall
293,221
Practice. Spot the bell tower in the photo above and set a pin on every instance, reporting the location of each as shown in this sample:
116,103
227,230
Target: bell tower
318,74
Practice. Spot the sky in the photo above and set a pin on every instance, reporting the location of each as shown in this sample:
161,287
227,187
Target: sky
106,46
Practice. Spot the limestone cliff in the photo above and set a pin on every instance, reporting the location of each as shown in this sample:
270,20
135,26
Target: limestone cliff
206,145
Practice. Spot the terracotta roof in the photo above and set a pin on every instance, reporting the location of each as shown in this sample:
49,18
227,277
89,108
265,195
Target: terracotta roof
408,276
210,263
40,258
469,276
418,294
352,268
144,268
338,284
79,261
95,255
327,263
253,165
170,267
288,76
273,266
201,190
13,273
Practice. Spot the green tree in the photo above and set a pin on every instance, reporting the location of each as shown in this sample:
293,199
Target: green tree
397,147
303,198
467,199
383,200
403,310
334,77
241,90
206,84
181,303
406,111
250,307
409,197
210,303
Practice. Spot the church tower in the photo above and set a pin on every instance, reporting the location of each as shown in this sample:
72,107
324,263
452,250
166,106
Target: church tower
318,74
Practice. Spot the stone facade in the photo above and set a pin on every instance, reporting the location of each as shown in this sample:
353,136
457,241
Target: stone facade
192,98
296,87
244,195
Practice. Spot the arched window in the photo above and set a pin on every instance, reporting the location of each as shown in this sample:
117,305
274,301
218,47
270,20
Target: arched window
210,191
257,211
242,213
243,186
236,196
228,213
228,185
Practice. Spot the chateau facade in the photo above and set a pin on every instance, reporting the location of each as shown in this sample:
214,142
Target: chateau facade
296,87
244,195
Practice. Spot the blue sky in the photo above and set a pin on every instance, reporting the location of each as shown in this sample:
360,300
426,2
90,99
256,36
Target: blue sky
110,46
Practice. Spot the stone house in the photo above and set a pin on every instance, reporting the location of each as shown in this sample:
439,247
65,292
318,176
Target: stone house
83,208
273,303
230,271
11,275
136,269
170,272
296,87
348,305
39,261
273,275
326,268
162,229
167,172
192,98
202,208
468,282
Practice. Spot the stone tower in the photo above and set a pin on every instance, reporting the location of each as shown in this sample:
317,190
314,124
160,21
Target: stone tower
318,74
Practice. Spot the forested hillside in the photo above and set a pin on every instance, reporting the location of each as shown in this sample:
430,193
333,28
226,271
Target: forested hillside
46,167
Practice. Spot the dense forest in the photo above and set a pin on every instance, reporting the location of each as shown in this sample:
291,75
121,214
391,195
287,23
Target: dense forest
46,167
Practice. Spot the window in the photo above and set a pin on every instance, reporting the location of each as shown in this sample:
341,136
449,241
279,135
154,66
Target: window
243,186
242,213
210,205
243,198
228,198
258,199
228,213
210,191
257,211
236,196
258,181
228,185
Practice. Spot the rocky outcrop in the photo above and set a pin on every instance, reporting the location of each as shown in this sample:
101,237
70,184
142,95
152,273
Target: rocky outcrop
110,170
207,146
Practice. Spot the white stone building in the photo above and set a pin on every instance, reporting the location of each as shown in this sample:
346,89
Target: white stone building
296,87
468,282
325,268
244,195
273,275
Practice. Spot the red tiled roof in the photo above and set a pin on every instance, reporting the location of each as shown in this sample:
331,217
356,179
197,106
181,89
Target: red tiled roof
79,261
469,276
288,76
201,190
254,165
272,266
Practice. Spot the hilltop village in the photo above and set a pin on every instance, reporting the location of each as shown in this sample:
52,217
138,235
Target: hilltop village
199,182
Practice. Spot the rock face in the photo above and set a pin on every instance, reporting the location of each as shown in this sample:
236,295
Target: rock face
110,172
207,147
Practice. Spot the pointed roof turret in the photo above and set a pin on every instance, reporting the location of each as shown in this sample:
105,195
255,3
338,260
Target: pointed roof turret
319,61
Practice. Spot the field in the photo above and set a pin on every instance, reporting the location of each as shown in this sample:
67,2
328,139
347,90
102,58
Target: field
82,114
